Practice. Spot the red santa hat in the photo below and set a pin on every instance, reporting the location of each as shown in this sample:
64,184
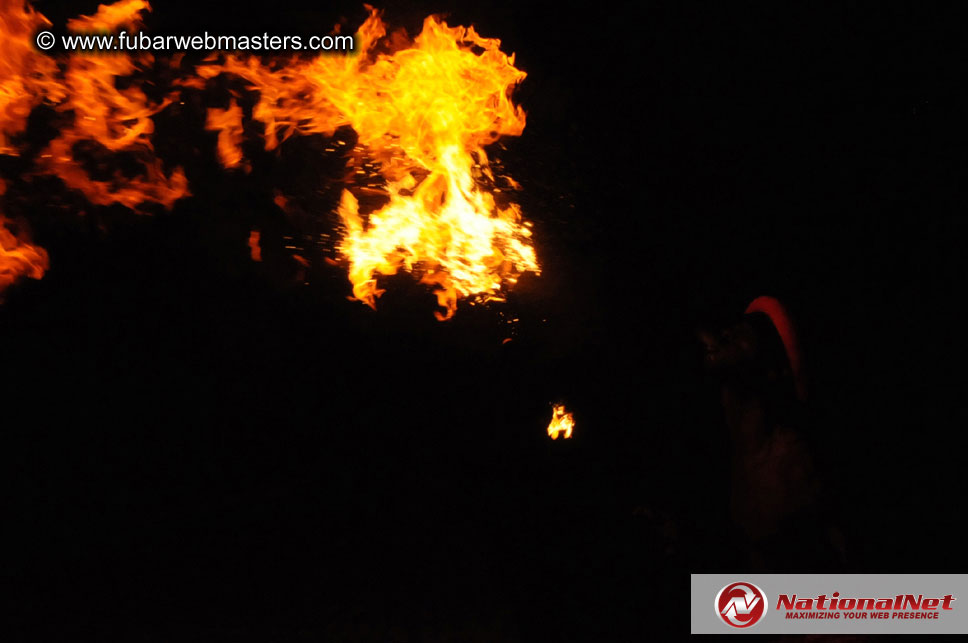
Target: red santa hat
783,324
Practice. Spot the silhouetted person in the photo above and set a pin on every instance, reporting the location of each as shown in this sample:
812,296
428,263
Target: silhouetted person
774,485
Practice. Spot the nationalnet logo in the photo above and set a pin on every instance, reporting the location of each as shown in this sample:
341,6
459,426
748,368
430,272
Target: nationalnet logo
842,604
899,606
741,604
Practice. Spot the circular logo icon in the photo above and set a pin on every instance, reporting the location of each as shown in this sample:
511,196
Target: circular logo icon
741,604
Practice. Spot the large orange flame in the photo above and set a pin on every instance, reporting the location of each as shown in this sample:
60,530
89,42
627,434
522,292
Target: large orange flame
423,110
118,119
424,113
23,85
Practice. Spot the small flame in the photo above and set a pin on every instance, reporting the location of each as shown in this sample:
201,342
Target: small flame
228,124
18,257
255,249
562,422
110,17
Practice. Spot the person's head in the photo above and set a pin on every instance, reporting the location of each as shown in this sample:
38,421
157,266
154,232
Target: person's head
760,349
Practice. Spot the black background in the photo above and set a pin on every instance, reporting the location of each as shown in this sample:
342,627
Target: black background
207,447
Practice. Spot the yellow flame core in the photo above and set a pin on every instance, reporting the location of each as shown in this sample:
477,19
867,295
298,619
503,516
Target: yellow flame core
424,113
562,422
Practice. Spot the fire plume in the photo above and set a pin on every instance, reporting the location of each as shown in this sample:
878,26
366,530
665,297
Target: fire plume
424,110
119,120
110,118
562,422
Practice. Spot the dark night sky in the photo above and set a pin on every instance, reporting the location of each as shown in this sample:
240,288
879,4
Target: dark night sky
203,445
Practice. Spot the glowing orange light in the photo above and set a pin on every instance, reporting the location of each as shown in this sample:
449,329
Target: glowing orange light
255,249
